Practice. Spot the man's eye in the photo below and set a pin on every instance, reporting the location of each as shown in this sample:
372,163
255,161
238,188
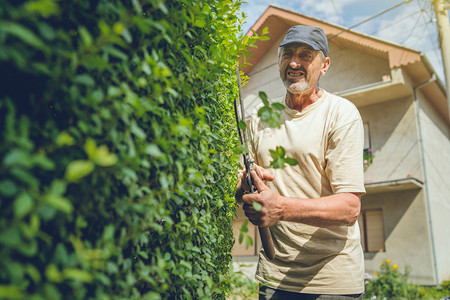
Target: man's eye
306,55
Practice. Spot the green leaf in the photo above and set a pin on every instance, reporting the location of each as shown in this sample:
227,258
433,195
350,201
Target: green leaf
263,97
278,106
43,162
256,205
47,212
291,161
241,238
18,157
96,62
86,37
10,292
23,33
22,205
248,241
153,150
46,31
8,188
273,121
60,203
53,274
242,125
90,146
244,227
114,91
46,8
77,274
58,187
115,52
240,149
25,176
137,6
84,79
280,151
10,237
264,111
277,163
163,7
29,249
200,22
33,272
78,169
103,158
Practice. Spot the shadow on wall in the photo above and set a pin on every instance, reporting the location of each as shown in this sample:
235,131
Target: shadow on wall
384,118
394,205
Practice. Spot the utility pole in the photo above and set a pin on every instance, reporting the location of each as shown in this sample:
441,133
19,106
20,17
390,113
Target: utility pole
443,26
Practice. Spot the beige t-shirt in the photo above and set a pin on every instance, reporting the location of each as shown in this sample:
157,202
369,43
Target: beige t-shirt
326,138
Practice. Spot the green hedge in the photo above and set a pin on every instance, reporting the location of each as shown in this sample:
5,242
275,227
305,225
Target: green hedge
117,131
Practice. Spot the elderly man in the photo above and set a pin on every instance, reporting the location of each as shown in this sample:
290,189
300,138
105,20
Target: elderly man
312,208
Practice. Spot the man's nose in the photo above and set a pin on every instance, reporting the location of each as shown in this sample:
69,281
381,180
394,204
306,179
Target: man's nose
295,62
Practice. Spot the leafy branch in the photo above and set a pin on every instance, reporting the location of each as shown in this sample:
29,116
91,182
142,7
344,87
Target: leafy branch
270,115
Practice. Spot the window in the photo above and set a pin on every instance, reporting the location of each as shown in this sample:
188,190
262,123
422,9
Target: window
372,230
366,136
367,154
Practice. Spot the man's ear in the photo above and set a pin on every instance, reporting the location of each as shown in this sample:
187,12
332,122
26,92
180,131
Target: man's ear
325,66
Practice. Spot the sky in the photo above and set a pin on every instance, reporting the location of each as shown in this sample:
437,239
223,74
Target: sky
412,24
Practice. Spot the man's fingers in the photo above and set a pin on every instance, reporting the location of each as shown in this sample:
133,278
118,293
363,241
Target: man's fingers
264,174
248,199
248,209
268,175
260,186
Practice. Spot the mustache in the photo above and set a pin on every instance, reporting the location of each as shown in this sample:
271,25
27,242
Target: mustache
301,69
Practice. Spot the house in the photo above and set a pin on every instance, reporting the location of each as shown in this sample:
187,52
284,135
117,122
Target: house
405,215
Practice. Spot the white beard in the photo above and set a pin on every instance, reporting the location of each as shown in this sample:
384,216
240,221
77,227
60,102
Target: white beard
296,87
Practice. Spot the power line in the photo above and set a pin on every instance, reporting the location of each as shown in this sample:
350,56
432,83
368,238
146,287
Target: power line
413,28
369,19
334,6
433,37
396,22
345,30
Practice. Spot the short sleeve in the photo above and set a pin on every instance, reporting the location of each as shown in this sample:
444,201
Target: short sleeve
344,158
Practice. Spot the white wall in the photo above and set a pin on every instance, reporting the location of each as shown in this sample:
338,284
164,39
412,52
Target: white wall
436,142
394,140
407,235
351,68
264,77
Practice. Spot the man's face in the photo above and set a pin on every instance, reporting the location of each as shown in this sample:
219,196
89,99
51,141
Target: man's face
300,67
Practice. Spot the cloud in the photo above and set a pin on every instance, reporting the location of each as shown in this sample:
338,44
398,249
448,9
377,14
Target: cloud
399,26
331,11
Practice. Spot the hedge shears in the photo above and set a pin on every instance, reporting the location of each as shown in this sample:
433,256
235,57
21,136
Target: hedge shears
249,163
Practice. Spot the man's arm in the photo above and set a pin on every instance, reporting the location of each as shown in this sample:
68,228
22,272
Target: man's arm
340,209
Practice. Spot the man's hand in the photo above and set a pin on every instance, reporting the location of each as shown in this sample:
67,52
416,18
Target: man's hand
242,185
271,209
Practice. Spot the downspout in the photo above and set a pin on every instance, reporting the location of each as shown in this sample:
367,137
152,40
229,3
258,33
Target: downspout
425,181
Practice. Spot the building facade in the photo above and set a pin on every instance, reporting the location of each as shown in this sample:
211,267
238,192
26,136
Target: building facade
405,214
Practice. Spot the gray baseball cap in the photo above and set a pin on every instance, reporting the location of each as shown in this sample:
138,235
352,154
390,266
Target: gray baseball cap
309,35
